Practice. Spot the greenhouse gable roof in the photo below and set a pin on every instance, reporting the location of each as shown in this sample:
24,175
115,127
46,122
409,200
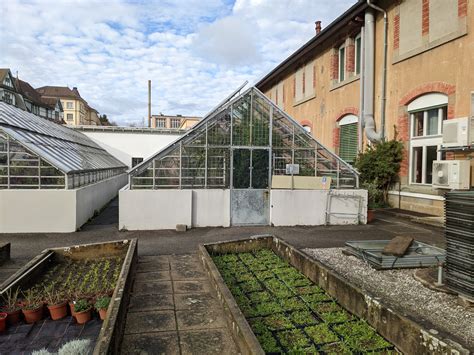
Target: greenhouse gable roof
66,149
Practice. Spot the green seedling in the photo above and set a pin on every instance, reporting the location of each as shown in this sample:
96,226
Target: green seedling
336,317
303,318
336,349
264,275
257,325
257,297
316,297
267,308
277,321
321,334
242,277
268,343
250,286
326,307
293,339
292,304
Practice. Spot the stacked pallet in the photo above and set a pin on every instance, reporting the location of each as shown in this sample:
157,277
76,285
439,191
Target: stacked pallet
459,210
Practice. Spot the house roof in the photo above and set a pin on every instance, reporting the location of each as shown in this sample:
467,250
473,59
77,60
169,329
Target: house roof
50,101
25,89
59,91
301,54
3,73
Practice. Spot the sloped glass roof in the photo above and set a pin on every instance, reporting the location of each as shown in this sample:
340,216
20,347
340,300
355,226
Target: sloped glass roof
62,147
241,144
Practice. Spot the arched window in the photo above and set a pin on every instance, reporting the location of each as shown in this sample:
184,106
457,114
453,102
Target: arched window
427,113
348,138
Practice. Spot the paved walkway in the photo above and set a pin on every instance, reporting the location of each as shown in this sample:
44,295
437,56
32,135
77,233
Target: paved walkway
173,310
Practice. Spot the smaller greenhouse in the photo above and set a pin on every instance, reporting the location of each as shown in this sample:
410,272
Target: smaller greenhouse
245,153
37,154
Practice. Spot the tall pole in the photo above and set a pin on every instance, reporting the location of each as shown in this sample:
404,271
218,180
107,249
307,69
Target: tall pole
149,103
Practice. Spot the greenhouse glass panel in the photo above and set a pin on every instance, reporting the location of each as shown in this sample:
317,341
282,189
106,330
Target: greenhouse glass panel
232,148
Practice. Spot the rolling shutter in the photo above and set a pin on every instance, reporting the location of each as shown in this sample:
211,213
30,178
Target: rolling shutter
348,142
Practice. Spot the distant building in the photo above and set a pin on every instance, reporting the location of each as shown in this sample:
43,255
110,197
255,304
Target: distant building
173,122
22,95
77,111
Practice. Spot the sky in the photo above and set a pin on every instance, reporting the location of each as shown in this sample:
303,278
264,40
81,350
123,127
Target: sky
196,52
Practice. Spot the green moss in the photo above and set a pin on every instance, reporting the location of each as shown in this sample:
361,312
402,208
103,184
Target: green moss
294,339
321,334
278,321
303,318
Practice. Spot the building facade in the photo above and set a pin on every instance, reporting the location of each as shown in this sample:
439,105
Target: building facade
348,76
77,112
173,122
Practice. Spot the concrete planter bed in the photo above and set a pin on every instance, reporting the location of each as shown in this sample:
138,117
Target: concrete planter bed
82,272
277,299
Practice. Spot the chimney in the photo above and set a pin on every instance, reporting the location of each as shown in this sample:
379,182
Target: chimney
149,103
318,27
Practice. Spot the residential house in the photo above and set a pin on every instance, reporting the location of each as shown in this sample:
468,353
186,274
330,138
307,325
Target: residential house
173,122
76,110
21,94
408,71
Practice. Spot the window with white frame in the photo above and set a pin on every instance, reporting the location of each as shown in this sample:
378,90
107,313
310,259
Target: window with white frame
161,122
358,53
426,127
69,117
69,105
348,138
175,122
342,63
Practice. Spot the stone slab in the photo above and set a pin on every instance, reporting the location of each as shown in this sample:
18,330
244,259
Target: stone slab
151,343
188,301
200,318
150,302
397,246
153,321
153,276
191,286
152,287
215,341
153,266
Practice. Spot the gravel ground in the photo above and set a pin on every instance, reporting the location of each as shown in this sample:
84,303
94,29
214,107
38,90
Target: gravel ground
391,286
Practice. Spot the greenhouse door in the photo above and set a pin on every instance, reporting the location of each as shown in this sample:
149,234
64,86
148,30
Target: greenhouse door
250,197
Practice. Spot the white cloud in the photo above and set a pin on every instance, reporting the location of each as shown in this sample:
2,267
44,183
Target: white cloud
195,52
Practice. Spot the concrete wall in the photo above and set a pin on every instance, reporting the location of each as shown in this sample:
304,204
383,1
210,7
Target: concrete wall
164,209
125,146
54,211
211,208
154,209
308,207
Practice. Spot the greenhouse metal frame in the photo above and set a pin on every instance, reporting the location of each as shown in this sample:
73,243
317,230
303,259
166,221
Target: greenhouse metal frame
39,154
240,145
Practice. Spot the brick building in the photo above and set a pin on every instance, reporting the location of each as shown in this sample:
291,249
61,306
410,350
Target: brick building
366,74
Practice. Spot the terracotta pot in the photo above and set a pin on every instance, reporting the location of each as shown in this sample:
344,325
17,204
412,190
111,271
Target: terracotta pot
83,317
33,315
58,311
3,321
370,215
71,309
13,318
103,313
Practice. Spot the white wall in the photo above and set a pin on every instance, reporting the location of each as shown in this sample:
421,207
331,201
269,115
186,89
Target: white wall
163,209
211,208
93,197
308,207
54,211
154,209
125,146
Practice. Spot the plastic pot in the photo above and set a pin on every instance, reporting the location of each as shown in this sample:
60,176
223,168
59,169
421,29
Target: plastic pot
33,315
58,311
3,321
83,317
370,215
71,308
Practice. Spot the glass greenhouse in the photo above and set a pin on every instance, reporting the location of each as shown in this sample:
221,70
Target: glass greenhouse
241,145
39,154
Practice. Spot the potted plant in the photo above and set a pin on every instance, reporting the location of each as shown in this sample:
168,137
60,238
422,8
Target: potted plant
57,305
11,306
82,310
102,304
32,307
3,321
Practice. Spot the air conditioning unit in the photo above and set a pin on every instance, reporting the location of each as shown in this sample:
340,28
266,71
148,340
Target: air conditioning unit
458,132
452,174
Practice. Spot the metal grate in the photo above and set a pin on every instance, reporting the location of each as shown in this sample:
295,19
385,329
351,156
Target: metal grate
459,210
